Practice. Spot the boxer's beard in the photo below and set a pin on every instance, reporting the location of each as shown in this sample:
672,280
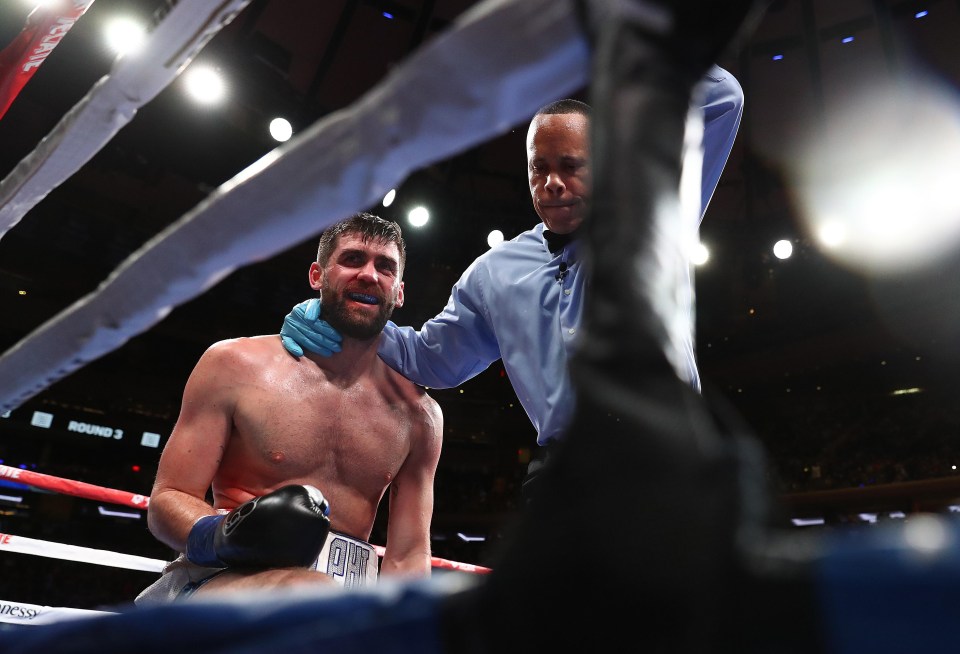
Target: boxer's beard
335,312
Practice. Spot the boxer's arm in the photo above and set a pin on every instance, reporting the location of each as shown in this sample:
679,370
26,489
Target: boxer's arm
195,448
411,500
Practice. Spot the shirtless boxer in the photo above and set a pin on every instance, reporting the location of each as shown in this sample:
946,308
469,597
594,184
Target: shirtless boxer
280,440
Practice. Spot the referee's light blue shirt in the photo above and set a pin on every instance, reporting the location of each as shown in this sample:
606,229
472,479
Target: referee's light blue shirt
510,305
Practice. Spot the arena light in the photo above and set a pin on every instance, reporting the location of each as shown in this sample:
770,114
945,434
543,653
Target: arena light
16,499
783,249
778,57
890,204
494,238
831,233
124,35
470,539
700,255
418,216
927,533
110,513
280,129
906,391
807,522
921,14
205,85
389,197
847,39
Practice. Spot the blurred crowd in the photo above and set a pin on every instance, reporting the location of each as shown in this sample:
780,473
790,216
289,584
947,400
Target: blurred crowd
817,441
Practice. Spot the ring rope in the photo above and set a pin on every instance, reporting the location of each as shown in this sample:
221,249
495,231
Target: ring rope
138,501
51,550
452,94
74,488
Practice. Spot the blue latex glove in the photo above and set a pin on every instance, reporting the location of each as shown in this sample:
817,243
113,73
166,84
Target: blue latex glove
303,330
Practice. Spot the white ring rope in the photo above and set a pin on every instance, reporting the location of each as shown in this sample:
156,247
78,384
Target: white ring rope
454,93
24,545
112,103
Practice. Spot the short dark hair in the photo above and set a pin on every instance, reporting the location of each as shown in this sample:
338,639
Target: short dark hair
369,227
566,106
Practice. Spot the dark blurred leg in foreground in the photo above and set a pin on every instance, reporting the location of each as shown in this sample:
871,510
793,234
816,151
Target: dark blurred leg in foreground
635,536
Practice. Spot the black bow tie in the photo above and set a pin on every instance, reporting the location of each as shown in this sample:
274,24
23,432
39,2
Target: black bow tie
556,242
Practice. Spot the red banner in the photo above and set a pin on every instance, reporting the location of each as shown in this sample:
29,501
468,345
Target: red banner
46,26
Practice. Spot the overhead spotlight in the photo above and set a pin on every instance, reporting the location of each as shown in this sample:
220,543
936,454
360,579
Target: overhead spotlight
205,85
418,216
921,14
832,234
847,39
887,205
124,35
700,254
388,15
494,238
281,129
778,57
389,197
783,249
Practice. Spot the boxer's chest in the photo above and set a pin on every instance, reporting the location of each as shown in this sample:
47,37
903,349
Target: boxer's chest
352,435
